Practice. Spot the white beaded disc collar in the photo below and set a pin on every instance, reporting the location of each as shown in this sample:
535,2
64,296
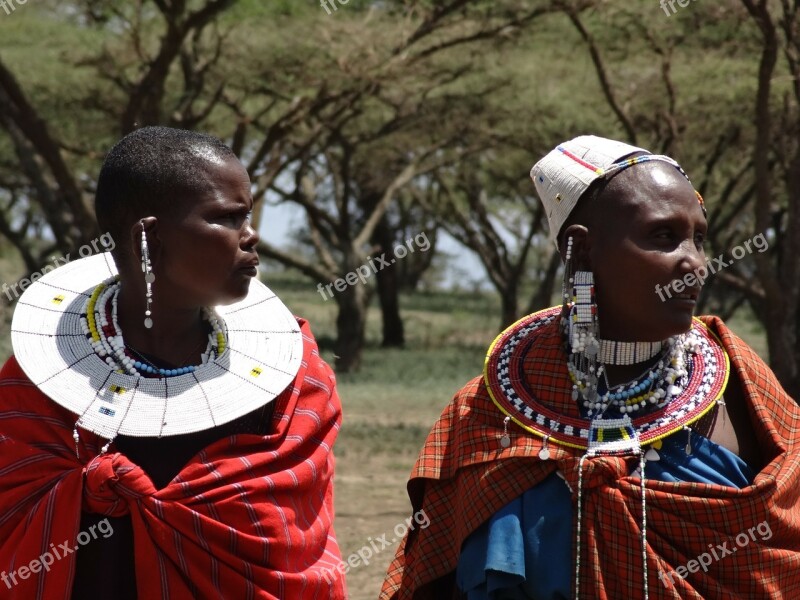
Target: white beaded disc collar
262,357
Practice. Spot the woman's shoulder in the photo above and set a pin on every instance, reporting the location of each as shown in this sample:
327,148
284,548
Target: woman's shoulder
12,371
758,382
13,380
741,355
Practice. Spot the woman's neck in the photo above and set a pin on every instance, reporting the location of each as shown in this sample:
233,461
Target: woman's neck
177,335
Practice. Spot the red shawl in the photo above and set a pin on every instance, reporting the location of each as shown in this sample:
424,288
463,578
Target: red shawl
463,476
248,517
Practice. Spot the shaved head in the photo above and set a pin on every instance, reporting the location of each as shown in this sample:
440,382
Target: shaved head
154,171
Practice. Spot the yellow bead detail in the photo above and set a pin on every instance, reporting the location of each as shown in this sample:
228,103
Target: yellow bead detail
90,312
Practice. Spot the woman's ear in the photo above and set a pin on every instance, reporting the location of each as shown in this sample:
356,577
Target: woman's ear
581,246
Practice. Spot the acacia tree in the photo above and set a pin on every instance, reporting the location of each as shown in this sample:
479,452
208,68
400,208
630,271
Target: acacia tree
776,171
504,227
399,111
48,186
359,118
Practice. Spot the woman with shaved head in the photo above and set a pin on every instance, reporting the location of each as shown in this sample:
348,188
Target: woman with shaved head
616,446
166,424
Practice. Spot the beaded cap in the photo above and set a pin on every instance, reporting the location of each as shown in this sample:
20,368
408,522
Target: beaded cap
566,173
262,356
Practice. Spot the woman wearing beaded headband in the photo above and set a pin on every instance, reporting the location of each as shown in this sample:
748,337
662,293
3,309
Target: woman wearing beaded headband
615,447
168,398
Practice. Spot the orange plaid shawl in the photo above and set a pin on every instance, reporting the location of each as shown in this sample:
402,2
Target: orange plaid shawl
248,517
463,476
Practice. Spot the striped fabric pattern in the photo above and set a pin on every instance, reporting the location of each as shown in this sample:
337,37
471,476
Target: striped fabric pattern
250,517
463,476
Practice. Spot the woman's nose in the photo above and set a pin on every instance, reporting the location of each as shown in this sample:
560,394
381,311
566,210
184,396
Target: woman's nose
250,236
693,258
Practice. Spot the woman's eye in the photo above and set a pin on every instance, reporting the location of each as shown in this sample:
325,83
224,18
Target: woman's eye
230,217
234,219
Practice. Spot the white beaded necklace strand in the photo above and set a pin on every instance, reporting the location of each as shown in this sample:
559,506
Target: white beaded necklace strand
112,348
660,386
627,353
643,537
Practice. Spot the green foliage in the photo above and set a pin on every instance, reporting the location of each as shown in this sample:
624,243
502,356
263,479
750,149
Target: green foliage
509,97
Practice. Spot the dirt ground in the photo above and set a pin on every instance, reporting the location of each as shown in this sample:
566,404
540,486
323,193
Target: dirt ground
370,502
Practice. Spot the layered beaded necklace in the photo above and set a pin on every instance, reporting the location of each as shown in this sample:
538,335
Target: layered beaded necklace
100,326
655,387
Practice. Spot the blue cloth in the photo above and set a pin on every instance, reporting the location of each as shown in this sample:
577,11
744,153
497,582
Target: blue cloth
524,552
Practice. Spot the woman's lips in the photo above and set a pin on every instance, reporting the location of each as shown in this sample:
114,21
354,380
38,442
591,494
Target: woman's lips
689,300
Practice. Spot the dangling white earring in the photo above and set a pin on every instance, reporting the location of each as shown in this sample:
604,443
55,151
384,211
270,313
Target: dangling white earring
149,278
566,285
581,329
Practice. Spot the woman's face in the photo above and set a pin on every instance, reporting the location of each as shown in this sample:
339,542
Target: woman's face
206,253
646,244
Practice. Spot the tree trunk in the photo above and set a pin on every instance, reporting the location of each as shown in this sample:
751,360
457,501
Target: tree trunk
388,287
393,330
780,340
509,305
543,297
350,327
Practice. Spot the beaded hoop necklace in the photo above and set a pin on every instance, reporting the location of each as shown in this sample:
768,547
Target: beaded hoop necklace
655,387
700,383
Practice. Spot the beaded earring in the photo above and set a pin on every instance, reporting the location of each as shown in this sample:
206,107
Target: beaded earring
582,333
566,285
149,278
583,315
580,326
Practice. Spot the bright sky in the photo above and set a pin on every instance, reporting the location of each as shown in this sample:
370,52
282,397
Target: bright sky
279,221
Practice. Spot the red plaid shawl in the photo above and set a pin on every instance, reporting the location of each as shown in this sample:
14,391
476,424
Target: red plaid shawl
463,476
249,517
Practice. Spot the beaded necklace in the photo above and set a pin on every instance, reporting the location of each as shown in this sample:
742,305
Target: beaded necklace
99,324
613,352
654,388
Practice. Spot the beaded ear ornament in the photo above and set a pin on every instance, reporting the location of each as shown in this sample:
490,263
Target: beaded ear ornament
149,279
